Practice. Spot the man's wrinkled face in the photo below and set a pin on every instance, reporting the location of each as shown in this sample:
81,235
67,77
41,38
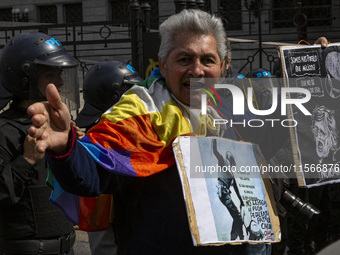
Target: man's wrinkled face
194,56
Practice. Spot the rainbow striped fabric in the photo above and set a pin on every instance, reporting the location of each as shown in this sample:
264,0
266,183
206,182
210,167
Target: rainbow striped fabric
133,138
88,213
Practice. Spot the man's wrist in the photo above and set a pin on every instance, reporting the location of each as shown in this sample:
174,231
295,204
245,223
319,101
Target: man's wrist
64,151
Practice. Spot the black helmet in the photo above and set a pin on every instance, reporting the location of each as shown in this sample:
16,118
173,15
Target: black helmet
259,73
103,86
22,56
269,82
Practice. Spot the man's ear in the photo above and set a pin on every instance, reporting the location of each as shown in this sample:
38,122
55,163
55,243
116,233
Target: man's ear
226,63
161,64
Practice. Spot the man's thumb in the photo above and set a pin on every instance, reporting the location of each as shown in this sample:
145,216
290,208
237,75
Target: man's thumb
53,97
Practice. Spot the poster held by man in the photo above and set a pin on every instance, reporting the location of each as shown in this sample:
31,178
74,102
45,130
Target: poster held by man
227,199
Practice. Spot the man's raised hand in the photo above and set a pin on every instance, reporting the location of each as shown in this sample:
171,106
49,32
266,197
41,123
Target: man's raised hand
51,122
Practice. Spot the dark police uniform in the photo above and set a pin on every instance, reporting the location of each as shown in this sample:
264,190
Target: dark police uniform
29,222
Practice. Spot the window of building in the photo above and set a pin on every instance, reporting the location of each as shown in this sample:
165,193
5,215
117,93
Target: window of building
154,17
207,6
48,14
291,13
74,13
231,13
120,10
6,14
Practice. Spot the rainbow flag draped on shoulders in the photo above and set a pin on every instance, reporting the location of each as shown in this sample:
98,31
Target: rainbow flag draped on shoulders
134,137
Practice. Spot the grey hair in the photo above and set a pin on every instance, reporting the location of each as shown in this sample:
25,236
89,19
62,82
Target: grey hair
196,21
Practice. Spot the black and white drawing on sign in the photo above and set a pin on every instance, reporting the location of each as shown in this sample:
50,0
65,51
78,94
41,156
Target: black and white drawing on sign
332,68
227,199
325,133
224,192
316,135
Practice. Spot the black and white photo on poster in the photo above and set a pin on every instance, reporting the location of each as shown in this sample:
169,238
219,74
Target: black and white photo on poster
316,136
228,205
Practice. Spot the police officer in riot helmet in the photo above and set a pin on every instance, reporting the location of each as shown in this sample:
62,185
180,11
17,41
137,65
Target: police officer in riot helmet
103,86
29,222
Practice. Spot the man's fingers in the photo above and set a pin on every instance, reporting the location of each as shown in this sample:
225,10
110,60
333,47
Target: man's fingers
35,132
323,41
37,108
38,120
41,146
40,137
30,138
39,127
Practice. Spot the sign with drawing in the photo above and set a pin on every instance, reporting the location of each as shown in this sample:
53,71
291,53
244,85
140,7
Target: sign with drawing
227,199
315,137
